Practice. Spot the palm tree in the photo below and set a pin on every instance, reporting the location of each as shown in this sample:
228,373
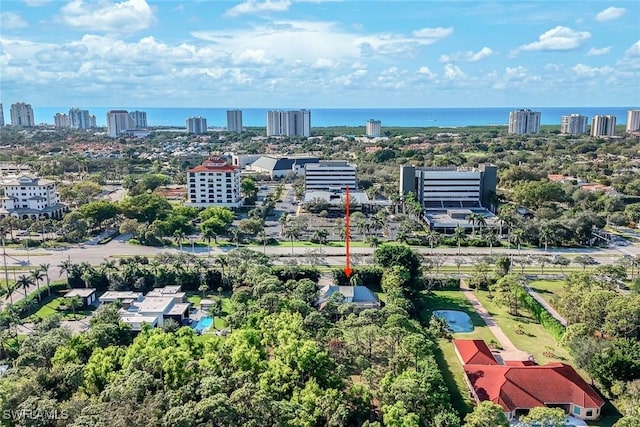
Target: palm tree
473,218
222,260
516,236
45,270
74,303
460,236
292,233
24,282
208,234
37,276
66,267
179,237
489,236
433,237
263,236
10,287
235,236
544,235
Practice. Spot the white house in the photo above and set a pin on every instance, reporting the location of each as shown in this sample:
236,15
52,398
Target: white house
30,197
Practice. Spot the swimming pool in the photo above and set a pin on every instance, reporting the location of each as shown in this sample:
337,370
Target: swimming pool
203,324
458,321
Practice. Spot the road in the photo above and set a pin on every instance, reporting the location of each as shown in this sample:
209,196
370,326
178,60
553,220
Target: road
96,254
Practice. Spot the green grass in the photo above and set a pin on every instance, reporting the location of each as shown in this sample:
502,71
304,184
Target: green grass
549,290
535,339
453,375
50,306
220,321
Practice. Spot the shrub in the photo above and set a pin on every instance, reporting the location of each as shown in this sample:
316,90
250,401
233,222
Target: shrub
546,320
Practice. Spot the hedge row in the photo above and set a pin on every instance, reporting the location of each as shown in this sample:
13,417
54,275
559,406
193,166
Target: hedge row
26,306
546,320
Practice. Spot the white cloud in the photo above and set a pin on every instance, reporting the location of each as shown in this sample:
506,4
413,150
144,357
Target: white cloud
594,51
634,50
467,56
610,13
256,6
587,71
252,56
323,64
433,33
558,38
425,71
452,72
12,21
515,77
107,16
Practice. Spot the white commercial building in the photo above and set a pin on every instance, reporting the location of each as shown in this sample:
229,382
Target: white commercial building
138,119
234,121
118,121
574,124
81,119
214,183
603,125
633,121
61,120
373,128
289,123
31,197
524,121
22,115
329,175
197,125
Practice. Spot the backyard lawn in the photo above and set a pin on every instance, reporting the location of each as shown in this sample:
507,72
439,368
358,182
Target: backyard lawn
220,321
52,307
445,353
550,290
535,339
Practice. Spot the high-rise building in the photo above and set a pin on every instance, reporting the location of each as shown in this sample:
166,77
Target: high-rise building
329,175
22,115
633,120
214,183
92,121
603,125
373,128
234,121
574,124
524,121
449,187
61,120
289,123
139,119
1,116
79,119
197,125
118,121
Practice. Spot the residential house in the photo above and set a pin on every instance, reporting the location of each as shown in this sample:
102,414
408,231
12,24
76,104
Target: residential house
87,295
361,296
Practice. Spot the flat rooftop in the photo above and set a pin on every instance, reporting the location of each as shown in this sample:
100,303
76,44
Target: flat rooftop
155,305
80,292
178,309
118,295
452,218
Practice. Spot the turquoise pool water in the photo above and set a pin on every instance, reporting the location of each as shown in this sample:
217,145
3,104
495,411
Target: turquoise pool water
458,321
203,324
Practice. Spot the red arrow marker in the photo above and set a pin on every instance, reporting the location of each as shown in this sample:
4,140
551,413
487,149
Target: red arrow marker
347,268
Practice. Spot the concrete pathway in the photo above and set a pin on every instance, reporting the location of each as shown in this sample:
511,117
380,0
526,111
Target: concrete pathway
547,306
509,350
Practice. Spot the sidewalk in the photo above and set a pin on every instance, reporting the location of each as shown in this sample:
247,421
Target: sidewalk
509,350
546,306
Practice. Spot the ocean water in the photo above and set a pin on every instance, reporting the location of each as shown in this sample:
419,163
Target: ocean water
323,117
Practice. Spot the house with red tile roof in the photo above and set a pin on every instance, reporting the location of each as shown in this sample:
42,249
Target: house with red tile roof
518,387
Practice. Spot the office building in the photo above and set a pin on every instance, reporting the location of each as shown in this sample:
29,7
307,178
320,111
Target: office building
197,125
234,121
451,196
61,120
603,125
444,187
633,121
79,119
214,183
574,124
1,116
373,128
281,166
329,175
31,197
289,123
524,121
138,119
118,121
22,115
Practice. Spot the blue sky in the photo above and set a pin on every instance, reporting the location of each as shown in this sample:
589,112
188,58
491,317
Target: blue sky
319,54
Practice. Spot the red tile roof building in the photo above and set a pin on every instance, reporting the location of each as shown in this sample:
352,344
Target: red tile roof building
518,387
214,183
